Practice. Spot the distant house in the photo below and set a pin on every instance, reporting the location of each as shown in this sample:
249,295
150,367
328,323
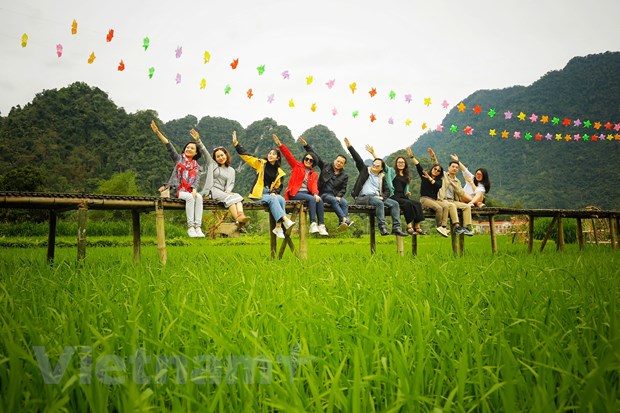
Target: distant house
500,227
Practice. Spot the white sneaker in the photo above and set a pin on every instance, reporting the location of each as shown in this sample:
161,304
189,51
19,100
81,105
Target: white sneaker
199,233
314,228
288,223
191,232
323,230
442,231
279,232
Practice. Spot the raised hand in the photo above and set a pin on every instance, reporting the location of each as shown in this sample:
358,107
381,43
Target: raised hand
234,137
410,152
302,141
276,140
195,135
431,152
346,142
158,133
454,157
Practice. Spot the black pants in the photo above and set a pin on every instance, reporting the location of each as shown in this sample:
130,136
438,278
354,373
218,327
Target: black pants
412,209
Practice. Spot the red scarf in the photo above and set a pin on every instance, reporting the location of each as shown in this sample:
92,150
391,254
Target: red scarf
187,174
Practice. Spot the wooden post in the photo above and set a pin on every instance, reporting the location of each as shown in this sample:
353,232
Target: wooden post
594,231
400,246
135,224
81,235
455,245
161,233
373,245
461,245
493,235
580,234
530,234
548,234
612,232
272,237
560,244
303,233
51,237
414,245
288,242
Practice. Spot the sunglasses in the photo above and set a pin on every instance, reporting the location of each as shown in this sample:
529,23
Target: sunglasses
377,164
308,159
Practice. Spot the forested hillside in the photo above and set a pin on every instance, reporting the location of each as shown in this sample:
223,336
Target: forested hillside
74,138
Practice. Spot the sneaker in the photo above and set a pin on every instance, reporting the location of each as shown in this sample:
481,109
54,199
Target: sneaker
467,232
343,225
462,230
191,232
348,221
443,231
288,223
323,230
314,228
279,232
199,233
383,231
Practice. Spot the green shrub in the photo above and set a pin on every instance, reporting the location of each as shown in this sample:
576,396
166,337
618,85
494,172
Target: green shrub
570,229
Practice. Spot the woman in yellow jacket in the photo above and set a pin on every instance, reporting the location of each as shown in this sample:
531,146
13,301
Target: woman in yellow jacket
268,184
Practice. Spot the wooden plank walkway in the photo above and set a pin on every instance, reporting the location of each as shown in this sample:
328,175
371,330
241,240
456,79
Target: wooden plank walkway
60,202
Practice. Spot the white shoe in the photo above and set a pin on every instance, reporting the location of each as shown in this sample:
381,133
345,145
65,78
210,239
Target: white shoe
191,232
288,223
323,230
442,231
279,232
314,228
199,233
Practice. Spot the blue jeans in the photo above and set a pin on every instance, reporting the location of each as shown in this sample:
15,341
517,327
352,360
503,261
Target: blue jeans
276,204
341,208
379,205
314,207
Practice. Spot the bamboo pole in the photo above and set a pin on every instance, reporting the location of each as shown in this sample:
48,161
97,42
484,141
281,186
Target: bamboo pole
548,234
414,245
493,235
612,232
303,233
81,235
135,224
530,234
51,237
560,245
373,241
400,245
161,233
580,234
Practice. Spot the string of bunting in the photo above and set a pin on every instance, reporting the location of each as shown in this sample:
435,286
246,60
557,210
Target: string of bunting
590,131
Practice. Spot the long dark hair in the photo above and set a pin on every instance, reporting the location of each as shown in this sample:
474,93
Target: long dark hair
278,162
405,169
486,182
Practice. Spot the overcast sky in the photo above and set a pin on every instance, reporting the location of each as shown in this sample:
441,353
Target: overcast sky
419,49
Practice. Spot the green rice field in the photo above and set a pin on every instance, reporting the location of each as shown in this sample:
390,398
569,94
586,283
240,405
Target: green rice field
224,328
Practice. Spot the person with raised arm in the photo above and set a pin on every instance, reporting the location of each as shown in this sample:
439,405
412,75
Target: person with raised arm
268,184
398,182
304,186
371,188
220,182
429,187
333,182
477,185
185,177
451,192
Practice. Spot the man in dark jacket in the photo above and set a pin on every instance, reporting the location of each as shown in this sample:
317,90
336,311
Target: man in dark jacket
371,189
333,185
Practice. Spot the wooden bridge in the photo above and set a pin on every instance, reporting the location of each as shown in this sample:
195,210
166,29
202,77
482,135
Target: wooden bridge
56,203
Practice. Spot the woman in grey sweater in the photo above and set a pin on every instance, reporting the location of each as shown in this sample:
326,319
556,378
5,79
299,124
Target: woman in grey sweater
220,182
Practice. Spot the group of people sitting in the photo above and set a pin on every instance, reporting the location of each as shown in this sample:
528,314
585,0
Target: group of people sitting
378,185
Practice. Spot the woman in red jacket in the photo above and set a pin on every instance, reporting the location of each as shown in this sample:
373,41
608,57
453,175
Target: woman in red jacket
303,185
